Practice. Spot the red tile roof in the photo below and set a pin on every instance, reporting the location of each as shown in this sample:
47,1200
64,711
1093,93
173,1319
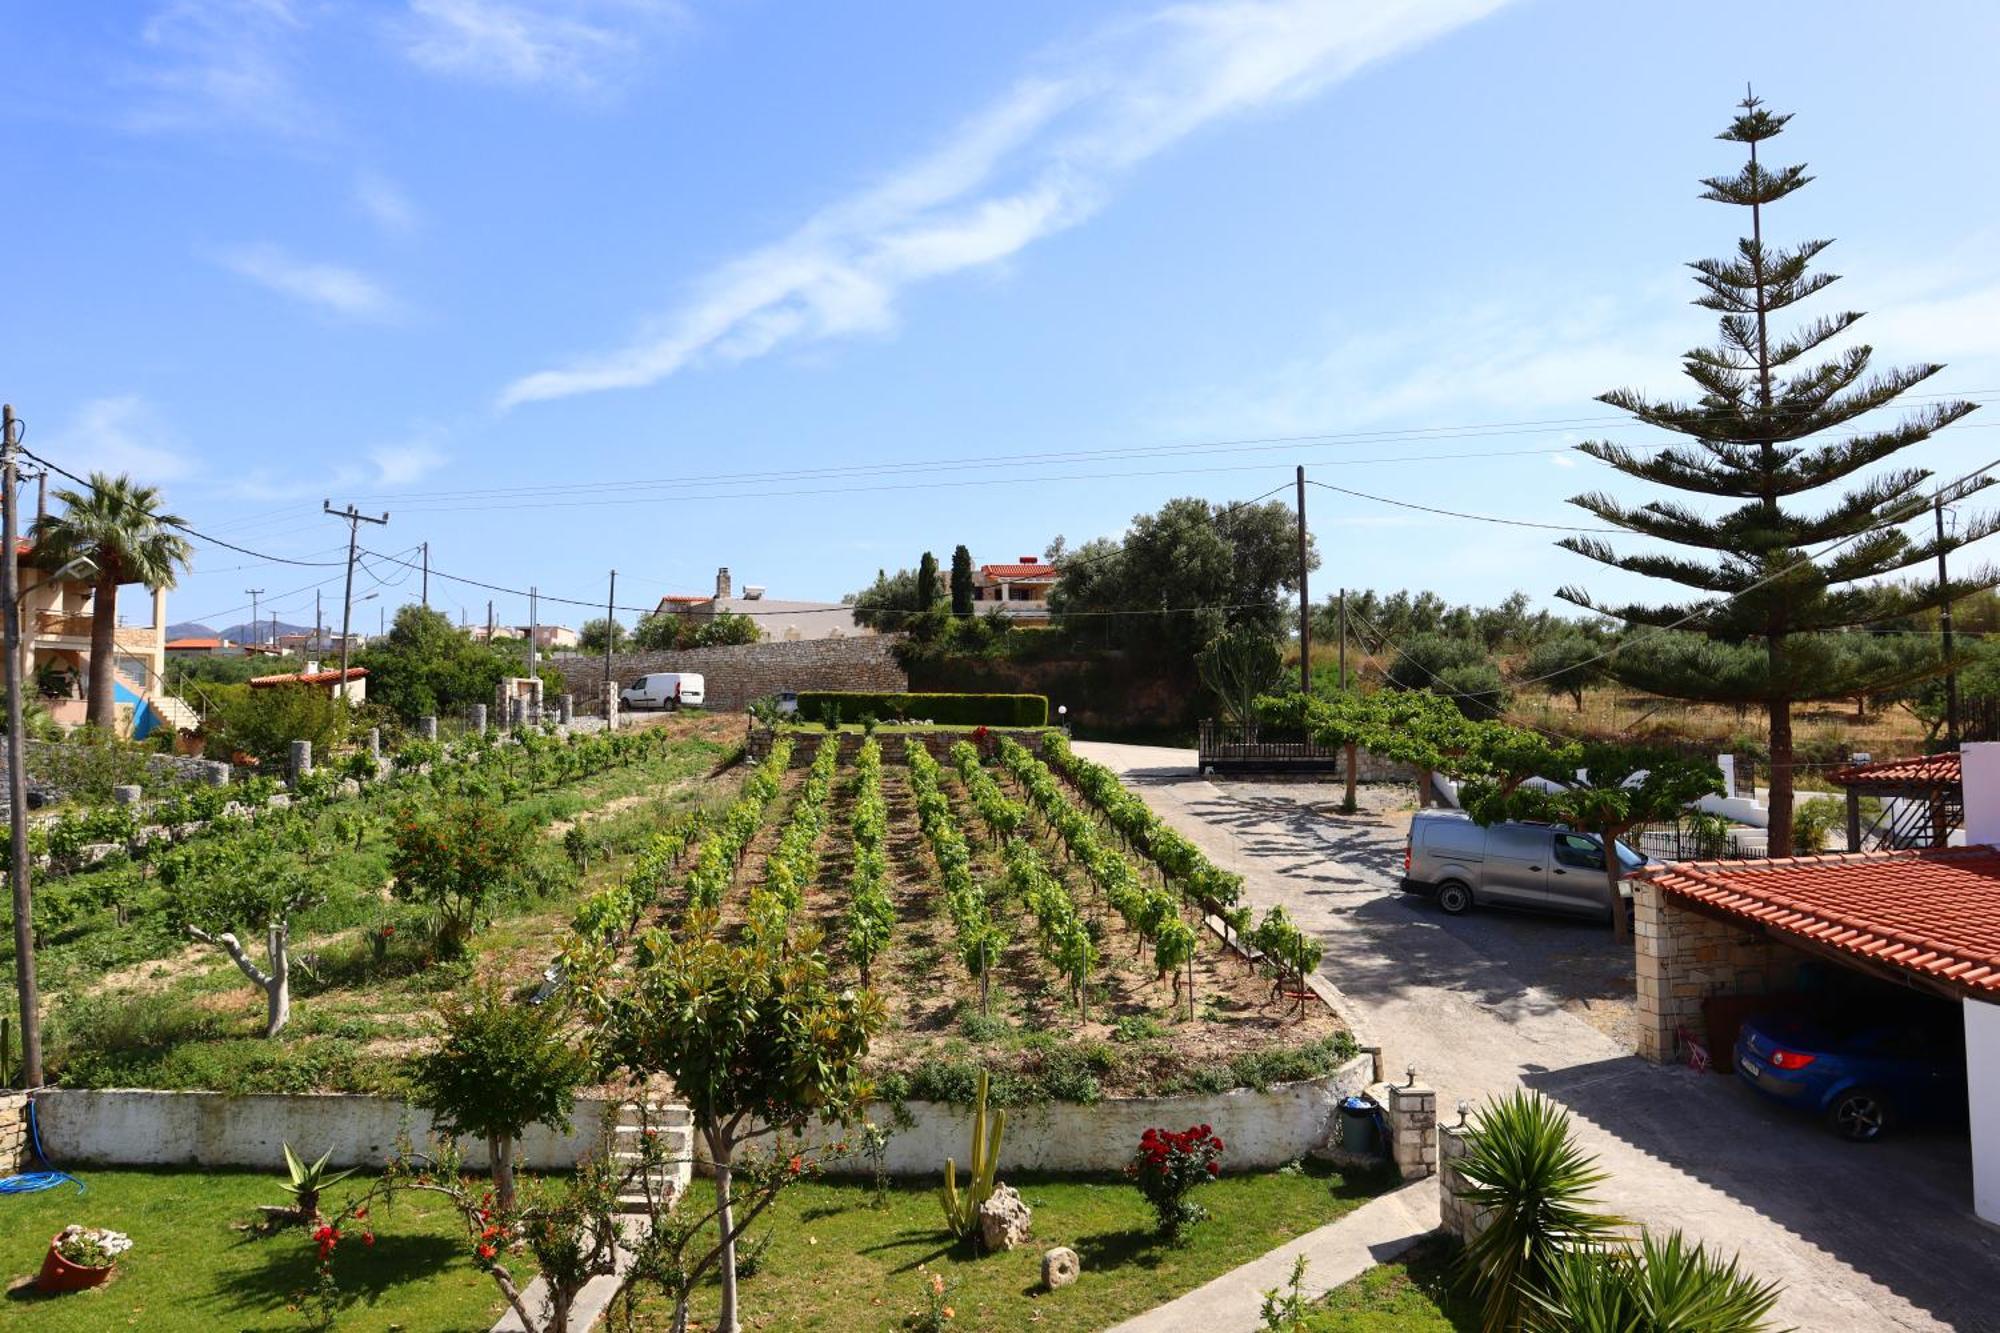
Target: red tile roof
1034,571
1928,768
313,678
1935,912
684,598
193,643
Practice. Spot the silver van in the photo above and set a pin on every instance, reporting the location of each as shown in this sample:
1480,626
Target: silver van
1545,866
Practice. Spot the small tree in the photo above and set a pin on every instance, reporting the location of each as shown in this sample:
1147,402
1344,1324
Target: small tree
602,635
501,1067
1237,666
213,895
756,1040
1625,786
458,860
1567,664
961,582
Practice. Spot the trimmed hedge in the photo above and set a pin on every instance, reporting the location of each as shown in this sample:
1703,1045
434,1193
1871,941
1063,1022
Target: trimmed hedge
956,710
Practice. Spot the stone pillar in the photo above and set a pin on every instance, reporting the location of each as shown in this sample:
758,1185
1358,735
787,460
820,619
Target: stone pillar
375,744
517,712
611,702
1459,1218
427,728
126,795
1681,957
216,773
565,708
1413,1143
1651,978
300,762
15,1150
479,719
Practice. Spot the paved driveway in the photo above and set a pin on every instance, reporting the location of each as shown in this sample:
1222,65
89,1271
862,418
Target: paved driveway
1862,1238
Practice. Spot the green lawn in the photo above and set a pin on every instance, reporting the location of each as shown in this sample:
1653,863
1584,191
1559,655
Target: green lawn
835,1262
189,1270
1412,1296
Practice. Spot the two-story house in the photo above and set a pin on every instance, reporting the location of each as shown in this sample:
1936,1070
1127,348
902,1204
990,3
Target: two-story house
1019,591
55,609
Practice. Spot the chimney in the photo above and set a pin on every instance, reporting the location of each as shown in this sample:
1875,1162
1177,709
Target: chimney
722,583
753,592
312,668
1030,560
1979,771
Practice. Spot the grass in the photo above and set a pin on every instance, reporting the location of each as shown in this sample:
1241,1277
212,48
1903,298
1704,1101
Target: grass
1413,1295
835,1262
188,1269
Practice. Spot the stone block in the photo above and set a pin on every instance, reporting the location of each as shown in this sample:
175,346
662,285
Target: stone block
1004,1220
300,762
126,794
1060,1267
427,728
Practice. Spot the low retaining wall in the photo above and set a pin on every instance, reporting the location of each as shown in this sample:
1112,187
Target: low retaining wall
119,1127
735,675
1262,1129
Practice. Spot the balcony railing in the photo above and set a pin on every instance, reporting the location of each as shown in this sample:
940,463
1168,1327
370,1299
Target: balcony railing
62,624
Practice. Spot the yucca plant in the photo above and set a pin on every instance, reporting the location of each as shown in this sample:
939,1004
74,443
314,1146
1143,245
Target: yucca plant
307,1183
1665,1286
1535,1183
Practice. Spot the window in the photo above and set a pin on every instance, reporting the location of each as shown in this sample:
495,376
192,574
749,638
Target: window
1521,841
1578,852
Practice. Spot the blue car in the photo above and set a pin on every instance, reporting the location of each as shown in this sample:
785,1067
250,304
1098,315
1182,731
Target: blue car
1861,1076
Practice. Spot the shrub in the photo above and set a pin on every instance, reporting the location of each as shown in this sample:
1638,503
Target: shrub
1812,820
458,860
1168,1166
962,710
264,723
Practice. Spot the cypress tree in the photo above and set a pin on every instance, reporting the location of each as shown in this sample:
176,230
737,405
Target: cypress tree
961,582
1766,429
927,587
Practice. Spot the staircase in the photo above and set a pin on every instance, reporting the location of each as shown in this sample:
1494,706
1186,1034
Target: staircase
673,1127
176,712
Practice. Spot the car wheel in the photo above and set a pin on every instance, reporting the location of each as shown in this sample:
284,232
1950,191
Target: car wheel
1454,898
1859,1115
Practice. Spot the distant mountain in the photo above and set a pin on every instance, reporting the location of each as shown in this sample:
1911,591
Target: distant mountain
259,634
189,629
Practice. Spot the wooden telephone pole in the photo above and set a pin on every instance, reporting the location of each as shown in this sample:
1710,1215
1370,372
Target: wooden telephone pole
17,763
355,519
1305,599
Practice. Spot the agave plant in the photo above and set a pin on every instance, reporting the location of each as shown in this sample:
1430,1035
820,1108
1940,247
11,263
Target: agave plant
1524,1169
308,1182
1664,1286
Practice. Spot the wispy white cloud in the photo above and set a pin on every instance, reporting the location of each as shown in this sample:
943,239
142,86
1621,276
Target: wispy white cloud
576,44
1043,157
332,287
384,466
385,203
120,433
220,64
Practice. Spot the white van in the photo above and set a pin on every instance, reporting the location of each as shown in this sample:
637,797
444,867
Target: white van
664,689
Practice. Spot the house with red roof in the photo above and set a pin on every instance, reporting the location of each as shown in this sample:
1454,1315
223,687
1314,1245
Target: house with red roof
1020,590
326,681
1716,940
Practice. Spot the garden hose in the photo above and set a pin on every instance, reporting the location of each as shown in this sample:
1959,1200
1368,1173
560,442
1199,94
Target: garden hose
34,1182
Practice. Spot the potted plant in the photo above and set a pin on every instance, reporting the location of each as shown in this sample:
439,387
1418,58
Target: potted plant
80,1257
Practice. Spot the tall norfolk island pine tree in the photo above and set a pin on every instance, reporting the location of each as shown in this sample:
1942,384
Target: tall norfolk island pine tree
1762,432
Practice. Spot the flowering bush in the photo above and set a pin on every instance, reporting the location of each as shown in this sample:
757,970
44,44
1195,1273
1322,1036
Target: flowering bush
91,1247
1168,1166
935,1314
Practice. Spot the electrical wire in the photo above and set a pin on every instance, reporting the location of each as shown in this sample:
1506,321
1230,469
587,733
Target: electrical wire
1453,513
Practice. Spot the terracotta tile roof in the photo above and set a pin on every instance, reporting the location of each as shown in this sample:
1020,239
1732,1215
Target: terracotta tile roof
193,643
1035,571
1935,912
303,678
1941,768
684,599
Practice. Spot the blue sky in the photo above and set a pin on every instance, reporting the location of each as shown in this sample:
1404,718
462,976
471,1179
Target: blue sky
572,284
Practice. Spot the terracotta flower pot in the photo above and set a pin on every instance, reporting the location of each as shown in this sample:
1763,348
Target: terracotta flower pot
59,1274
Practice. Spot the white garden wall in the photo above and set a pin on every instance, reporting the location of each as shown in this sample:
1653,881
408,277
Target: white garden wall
117,1127
1262,1129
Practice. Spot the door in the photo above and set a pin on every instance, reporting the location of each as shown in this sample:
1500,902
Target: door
1517,865
1576,880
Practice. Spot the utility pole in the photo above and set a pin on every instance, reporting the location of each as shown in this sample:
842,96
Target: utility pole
41,497
17,763
256,622
1944,623
1305,600
355,518
489,622
427,576
534,629
319,622
610,630
1343,639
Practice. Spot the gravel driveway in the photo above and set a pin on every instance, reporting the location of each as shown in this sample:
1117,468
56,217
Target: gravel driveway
1862,1238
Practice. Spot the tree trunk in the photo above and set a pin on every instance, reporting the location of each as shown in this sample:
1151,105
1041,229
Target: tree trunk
721,1150
278,990
102,707
1621,920
1348,804
501,1148
1781,777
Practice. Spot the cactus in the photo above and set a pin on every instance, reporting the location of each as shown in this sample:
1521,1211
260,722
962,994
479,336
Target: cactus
961,1209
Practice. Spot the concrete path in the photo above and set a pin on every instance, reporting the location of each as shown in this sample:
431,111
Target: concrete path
1374,1233
1873,1238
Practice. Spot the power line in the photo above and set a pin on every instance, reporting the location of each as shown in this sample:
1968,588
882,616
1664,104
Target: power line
1453,513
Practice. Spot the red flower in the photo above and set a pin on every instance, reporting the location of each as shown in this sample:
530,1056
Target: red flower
360,1212
797,1164
367,1238
1215,1168
486,1251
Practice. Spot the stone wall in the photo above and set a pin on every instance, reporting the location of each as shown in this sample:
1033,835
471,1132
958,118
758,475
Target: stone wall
736,675
15,1150
1460,1219
1411,1109
1685,956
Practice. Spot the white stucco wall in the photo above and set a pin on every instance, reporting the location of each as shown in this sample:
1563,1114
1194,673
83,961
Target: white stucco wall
1261,1129
140,1128
1982,1088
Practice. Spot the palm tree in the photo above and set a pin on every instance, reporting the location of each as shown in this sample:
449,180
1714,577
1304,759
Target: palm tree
118,527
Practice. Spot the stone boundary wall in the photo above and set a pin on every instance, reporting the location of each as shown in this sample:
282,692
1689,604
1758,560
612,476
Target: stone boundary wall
134,1127
1263,1130
736,675
117,1127
1685,956
1460,1219
15,1150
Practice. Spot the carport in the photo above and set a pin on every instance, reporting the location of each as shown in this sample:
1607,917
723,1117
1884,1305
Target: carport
1928,920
